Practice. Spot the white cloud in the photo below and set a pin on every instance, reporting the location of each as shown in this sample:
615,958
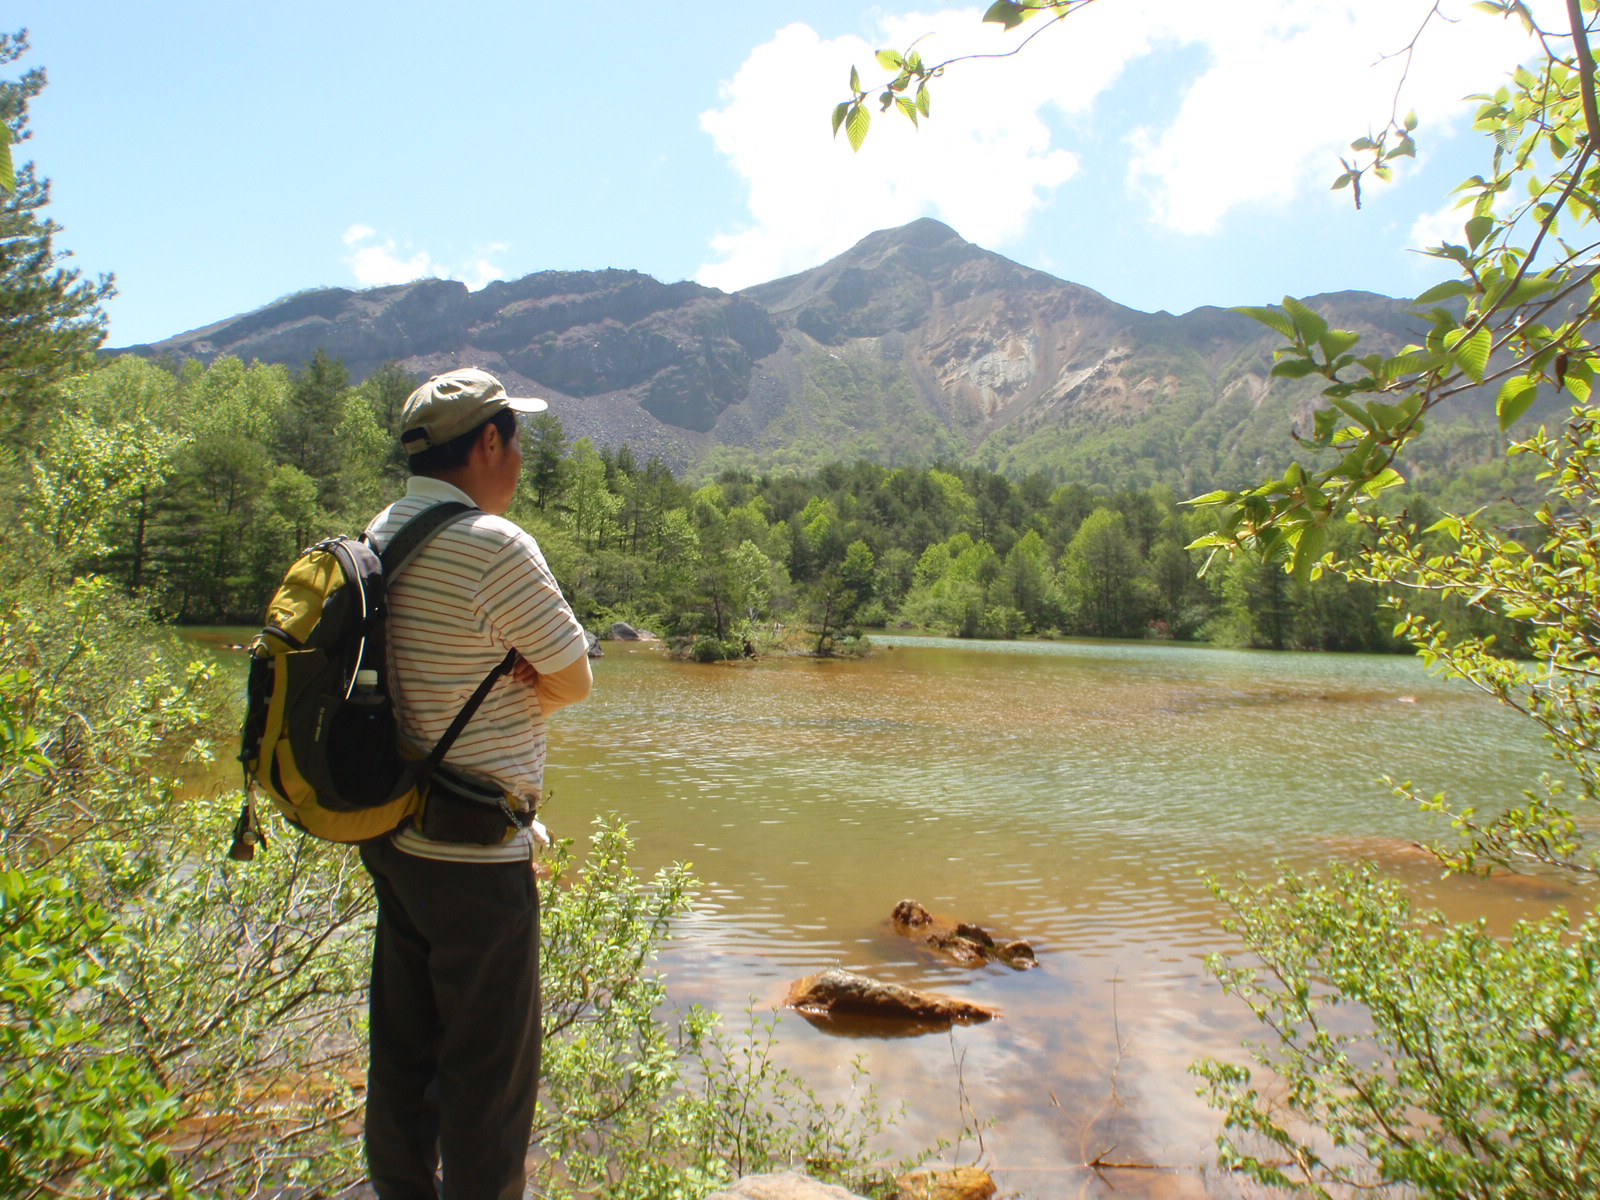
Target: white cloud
376,259
981,168
1288,88
1446,224
1282,90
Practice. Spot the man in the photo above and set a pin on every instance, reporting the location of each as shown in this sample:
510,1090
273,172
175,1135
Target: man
455,967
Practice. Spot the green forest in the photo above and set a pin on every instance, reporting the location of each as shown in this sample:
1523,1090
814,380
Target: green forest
191,486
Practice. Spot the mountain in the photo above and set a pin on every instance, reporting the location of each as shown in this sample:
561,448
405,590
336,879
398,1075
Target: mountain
912,345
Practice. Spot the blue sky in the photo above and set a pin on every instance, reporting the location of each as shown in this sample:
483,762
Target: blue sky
1166,153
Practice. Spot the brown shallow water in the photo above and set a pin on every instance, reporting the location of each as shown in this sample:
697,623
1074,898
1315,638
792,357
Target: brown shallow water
1071,794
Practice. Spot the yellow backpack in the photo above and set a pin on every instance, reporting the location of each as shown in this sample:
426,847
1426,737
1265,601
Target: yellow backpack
319,733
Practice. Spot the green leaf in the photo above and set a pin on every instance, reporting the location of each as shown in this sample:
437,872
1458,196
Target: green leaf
1308,549
1004,12
1478,228
1471,354
1336,341
1383,481
1416,360
8,172
1293,368
923,100
1443,291
907,107
1529,288
1389,416
857,124
890,60
1516,395
1357,414
1580,381
1410,123
1310,325
1273,318
839,112
855,81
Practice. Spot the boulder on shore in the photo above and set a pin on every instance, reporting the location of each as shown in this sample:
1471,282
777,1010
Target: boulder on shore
621,631
836,993
593,644
960,942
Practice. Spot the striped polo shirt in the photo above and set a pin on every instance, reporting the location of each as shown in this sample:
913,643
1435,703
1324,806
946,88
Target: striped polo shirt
478,589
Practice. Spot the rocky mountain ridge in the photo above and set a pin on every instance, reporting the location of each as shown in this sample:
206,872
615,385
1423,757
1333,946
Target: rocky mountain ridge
913,345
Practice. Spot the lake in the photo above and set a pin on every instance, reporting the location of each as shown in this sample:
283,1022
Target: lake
1069,793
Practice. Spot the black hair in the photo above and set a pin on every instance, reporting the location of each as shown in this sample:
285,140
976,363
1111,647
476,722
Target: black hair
437,460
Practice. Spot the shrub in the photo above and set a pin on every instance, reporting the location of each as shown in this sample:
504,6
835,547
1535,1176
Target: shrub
1481,1072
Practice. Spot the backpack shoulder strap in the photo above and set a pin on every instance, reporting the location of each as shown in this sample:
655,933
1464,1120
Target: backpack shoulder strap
402,548
425,769
416,533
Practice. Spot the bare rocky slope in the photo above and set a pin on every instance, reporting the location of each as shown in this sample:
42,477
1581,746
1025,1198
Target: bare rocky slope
911,346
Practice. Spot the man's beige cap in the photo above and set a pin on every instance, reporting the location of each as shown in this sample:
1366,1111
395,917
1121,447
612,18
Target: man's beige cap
454,403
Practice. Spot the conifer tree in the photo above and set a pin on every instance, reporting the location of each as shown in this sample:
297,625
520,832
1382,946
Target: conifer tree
50,318
308,432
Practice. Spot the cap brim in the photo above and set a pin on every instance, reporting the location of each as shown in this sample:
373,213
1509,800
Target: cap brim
524,404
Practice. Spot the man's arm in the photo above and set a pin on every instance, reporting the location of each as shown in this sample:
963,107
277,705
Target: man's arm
557,689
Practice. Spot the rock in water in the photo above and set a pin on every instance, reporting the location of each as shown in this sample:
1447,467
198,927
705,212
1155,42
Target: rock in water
833,993
963,943
951,1183
1017,954
975,933
784,1185
911,914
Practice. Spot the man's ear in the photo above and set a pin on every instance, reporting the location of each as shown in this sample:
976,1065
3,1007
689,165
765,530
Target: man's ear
488,439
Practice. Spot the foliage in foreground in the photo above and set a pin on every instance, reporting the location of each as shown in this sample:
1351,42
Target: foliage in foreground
1470,1065
1476,1072
173,1023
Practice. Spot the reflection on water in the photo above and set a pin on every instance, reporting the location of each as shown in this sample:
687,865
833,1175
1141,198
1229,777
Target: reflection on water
1070,794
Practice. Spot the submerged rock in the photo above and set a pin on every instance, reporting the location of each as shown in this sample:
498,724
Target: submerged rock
949,1183
783,1185
960,942
835,993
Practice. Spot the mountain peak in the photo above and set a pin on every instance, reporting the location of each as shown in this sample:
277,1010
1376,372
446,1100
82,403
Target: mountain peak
924,233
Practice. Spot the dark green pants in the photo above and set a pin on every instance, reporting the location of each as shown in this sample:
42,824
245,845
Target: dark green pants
454,1026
